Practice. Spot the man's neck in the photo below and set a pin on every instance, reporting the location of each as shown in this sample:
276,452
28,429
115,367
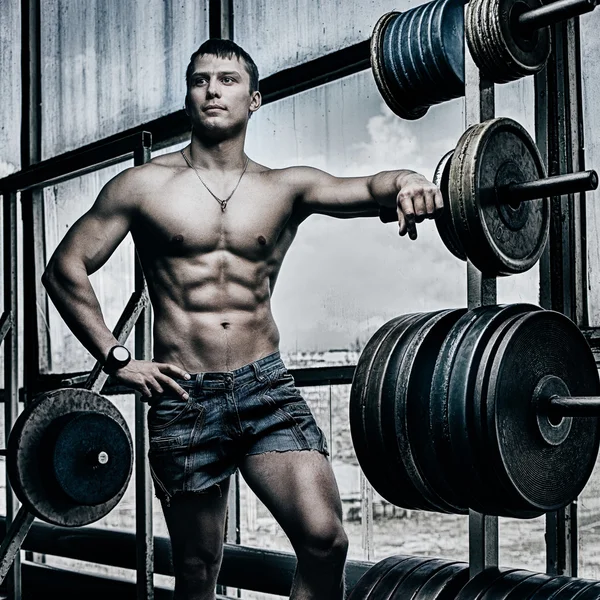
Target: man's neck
226,155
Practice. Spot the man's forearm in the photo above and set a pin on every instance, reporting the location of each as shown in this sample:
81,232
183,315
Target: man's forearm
75,300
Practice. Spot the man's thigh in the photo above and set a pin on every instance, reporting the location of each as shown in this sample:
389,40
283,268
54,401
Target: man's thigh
300,490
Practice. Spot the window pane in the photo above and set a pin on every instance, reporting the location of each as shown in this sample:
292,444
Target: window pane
110,65
113,283
282,34
10,107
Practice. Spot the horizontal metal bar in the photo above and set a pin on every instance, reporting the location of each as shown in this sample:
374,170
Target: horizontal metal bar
255,569
175,127
553,13
6,322
573,406
76,163
558,185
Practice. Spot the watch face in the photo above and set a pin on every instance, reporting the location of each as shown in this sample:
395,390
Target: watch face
121,354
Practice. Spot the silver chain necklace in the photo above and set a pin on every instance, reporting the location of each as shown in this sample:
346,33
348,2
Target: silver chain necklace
222,202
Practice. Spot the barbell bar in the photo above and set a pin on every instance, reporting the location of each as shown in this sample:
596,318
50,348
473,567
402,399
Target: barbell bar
550,14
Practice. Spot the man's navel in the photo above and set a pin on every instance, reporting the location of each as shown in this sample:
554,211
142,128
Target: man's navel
177,239
225,325
262,240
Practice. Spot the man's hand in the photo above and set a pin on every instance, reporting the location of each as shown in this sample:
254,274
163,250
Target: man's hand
151,378
417,200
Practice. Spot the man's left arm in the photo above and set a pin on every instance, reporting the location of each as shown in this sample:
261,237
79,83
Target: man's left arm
414,197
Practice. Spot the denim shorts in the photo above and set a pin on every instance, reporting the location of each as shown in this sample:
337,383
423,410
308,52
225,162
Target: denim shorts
199,442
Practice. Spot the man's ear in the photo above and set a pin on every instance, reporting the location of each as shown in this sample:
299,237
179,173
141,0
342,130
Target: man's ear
255,102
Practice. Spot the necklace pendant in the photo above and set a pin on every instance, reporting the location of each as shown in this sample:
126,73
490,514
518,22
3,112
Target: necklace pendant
223,204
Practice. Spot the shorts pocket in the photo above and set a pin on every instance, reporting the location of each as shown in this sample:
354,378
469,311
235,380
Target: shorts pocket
297,409
167,411
167,442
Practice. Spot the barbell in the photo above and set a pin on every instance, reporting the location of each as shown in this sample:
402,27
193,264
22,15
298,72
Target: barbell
494,409
496,191
69,457
417,56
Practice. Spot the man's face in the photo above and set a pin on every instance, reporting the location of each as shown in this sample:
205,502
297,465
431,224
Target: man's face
219,99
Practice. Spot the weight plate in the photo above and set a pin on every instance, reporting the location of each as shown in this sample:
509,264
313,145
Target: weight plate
28,459
591,592
499,238
443,221
414,581
446,583
468,445
371,578
420,79
381,52
526,588
478,585
361,399
506,584
499,49
386,474
573,590
547,590
406,413
393,579
536,474
91,458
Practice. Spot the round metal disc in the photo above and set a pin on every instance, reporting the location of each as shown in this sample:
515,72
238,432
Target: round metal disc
500,51
364,399
443,222
505,585
477,586
371,578
538,475
499,238
406,414
527,587
445,584
415,581
379,57
387,473
91,459
392,580
28,457
592,592
464,416
573,590
552,587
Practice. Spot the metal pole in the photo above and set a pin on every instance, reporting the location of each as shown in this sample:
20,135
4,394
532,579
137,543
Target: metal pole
553,13
143,483
558,185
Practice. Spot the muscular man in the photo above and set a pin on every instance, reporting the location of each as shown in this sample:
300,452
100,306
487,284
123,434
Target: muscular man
211,228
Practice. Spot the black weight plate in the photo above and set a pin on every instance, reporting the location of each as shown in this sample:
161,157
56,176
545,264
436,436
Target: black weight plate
444,476
365,398
446,583
506,584
468,447
591,592
547,591
415,581
478,585
539,475
447,34
77,468
387,474
498,238
371,578
359,391
443,221
573,589
28,457
408,385
526,588
424,49
390,582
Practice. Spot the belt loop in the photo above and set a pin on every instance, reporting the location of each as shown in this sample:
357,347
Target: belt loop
199,381
257,371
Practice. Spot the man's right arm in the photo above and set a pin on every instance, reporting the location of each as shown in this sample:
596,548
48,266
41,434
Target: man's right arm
86,247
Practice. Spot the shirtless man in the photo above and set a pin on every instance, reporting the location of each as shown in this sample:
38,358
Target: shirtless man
211,228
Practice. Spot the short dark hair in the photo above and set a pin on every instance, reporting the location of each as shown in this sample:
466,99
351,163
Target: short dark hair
224,49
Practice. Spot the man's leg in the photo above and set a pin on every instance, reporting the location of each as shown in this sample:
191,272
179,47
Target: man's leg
196,524
300,490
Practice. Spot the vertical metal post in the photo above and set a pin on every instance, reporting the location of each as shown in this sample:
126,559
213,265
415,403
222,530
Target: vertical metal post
563,275
479,106
143,483
220,19
11,364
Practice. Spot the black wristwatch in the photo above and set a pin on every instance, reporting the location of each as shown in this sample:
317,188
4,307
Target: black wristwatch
117,358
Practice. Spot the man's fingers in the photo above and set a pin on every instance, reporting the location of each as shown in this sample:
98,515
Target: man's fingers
173,371
430,203
168,382
438,200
